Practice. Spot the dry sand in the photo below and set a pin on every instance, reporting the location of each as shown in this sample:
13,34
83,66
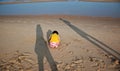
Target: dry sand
87,43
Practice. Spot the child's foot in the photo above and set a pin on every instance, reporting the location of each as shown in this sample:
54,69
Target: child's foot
53,46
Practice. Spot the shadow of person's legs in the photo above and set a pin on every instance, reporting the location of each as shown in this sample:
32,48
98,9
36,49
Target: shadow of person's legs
42,51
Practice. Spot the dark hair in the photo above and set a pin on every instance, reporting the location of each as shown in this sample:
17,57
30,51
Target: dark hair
55,32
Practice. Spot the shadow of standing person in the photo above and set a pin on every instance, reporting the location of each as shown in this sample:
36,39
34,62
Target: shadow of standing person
42,51
93,40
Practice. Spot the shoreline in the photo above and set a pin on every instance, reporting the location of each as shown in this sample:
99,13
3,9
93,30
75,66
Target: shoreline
63,16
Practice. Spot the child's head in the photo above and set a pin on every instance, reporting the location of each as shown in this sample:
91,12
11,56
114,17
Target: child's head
55,32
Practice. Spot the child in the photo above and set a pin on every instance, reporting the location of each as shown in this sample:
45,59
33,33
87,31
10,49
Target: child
54,39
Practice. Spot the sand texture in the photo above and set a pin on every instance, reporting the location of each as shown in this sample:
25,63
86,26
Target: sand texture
87,43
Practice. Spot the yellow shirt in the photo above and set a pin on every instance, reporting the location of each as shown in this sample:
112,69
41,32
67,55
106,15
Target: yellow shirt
54,38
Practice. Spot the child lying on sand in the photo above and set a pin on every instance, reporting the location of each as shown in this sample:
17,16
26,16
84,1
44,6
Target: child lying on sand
54,39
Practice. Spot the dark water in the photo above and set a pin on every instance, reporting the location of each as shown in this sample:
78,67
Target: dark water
102,9
8,0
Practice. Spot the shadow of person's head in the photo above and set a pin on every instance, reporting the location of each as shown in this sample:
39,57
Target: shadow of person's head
39,32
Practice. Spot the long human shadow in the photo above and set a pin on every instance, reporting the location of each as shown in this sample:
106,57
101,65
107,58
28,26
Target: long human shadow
93,40
42,51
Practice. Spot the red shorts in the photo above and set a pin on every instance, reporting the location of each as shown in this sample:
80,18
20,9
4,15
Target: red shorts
54,44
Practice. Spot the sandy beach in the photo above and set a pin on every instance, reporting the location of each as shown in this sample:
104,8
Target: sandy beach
87,43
